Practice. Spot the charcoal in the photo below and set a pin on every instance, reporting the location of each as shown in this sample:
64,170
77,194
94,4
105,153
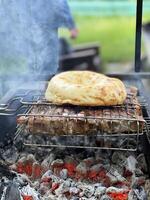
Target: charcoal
68,182
55,179
13,167
27,190
62,197
108,167
22,180
64,174
50,197
2,186
35,185
72,182
116,190
100,191
47,174
89,191
142,163
57,163
75,198
105,197
4,171
31,157
63,188
131,164
74,190
12,192
70,159
85,198
147,188
51,157
43,189
96,185
138,173
81,194
132,195
136,181
11,155
119,168
115,176
137,194
45,165
96,167
93,198
119,158
82,168
89,161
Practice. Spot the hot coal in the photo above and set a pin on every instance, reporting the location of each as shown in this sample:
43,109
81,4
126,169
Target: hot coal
17,189
72,174
12,192
47,174
5,171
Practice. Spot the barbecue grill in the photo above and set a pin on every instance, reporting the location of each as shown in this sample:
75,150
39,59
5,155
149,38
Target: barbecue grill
74,165
21,101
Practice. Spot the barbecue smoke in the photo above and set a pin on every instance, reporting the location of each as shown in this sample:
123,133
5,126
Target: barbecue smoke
28,38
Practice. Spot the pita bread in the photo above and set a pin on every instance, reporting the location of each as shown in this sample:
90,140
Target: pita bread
85,88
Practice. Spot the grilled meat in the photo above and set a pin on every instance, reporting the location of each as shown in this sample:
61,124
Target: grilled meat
76,120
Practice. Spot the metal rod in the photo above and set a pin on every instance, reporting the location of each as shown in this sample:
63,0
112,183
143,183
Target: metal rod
81,117
98,135
139,10
76,146
131,75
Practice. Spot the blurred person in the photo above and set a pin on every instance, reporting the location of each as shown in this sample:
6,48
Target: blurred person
64,45
29,33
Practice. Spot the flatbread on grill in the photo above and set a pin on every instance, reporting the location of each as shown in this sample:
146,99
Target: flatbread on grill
85,88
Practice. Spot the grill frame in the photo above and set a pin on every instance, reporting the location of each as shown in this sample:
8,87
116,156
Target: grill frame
104,119
128,79
8,122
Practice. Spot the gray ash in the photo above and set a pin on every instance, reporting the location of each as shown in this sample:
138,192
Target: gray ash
47,174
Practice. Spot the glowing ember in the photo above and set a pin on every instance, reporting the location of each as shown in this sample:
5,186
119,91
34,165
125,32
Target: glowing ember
27,197
46,176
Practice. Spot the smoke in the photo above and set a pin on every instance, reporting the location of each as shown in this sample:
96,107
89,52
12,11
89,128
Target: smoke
29,36
28,40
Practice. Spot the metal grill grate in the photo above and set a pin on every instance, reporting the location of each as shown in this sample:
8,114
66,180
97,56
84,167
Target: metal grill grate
104,139
121,142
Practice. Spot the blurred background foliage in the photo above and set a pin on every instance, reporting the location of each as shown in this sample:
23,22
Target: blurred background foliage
110,23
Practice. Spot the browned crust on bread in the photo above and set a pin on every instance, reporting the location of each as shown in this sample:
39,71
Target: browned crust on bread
85,88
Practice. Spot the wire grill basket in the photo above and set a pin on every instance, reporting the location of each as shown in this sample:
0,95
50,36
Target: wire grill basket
119,126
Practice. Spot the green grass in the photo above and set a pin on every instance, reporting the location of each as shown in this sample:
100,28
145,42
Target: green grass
116,36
